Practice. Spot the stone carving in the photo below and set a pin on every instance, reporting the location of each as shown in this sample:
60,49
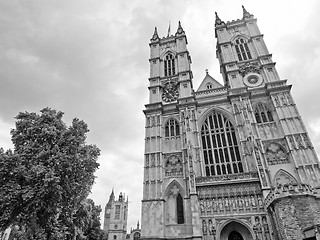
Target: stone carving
276,154
173,166
212,229
249,68
257,228
204,227
266,228
235,108
283,178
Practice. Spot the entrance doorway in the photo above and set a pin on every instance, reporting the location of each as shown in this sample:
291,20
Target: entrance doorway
234,235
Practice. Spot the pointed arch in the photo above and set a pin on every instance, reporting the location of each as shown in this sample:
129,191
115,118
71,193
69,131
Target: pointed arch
240,43
282,177
169,63
242,227
171,128
172,187
174,203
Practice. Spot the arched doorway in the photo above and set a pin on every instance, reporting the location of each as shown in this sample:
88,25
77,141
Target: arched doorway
236,230
234,235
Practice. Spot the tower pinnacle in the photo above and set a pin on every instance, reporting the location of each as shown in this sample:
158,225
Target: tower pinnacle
169,30
180,29
246,14
218,20
155,36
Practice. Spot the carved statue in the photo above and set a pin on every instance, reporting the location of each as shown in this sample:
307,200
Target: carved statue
204,227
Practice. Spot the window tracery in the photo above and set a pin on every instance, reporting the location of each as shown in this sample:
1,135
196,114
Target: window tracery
242,49
263,113
220,146
174,204
172,128
169,65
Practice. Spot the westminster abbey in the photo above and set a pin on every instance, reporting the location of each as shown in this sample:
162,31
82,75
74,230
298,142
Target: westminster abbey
229,161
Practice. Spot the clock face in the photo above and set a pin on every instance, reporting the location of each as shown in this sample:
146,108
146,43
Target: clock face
253,80
108,211
170,91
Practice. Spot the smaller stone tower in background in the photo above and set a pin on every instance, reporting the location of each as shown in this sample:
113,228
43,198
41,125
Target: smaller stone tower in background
115,217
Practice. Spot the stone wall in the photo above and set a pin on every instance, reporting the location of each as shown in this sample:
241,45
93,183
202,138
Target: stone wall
294,214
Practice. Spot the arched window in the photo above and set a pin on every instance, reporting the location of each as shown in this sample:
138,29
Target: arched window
136,236
172,128
180,217
263,113
242,49
169,67
209,86
220,147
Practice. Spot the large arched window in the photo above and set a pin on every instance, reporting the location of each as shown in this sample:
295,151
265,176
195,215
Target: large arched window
220,147
180,217
172,128
169,67
263,113
242,49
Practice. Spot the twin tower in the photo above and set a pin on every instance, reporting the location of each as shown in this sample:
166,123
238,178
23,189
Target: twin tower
231,161
224,162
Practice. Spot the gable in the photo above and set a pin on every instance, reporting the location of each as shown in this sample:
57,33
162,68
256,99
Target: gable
208,80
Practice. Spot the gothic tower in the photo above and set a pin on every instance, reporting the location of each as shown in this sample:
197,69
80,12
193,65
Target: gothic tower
115,217
228,161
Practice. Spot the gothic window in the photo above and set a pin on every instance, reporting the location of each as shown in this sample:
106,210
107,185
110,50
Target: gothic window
174,205
220,146
263,113
117,212
172,128
169,67
136,236
180,217
242,49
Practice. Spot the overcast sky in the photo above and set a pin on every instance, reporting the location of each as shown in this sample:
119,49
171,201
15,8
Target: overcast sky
89,59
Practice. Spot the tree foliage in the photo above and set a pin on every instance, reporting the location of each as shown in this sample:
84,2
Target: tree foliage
47,176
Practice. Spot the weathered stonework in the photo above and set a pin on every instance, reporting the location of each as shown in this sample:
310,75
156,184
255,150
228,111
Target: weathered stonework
226,161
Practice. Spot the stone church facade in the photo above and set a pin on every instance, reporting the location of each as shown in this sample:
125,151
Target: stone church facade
231,161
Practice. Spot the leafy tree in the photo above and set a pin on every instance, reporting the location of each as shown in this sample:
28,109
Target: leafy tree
88,220
46,177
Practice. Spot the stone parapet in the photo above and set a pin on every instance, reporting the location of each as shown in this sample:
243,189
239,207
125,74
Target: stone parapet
289,190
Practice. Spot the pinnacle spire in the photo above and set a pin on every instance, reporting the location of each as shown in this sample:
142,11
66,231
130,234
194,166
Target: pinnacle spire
218,20
169,30
155,36
180,29
246,14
